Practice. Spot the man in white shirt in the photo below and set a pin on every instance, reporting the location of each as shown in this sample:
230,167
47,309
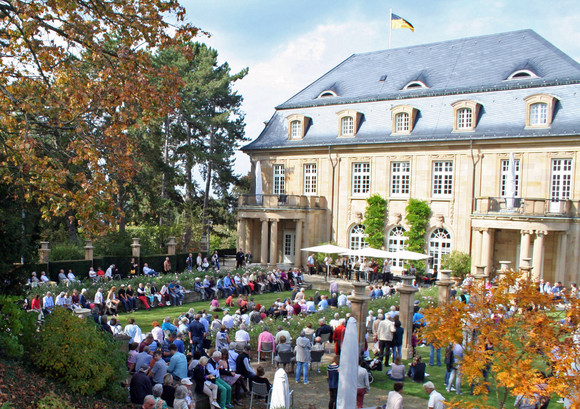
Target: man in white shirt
311,264
282,331
109,272
43,277
72,278
395,399
242,335
228,320
342,299
435,398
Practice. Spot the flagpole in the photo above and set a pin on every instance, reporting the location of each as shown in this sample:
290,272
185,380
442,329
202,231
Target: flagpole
390,26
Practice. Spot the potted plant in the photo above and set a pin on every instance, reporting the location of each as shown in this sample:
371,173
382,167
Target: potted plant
459,263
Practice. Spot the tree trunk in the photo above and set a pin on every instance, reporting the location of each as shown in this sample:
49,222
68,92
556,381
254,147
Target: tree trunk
165,160
207,182
121,208
71,226
188,170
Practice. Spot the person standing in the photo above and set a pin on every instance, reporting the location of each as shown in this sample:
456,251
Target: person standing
196,334
167,266
332,371
302,352
189,262
435,398
362,385
395,399
385,333
215,259
239,259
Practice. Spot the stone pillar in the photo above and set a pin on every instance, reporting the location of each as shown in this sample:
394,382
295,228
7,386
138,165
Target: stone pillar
480,276
43,252
359,309
526,268
561,263
525,245
444,287
406,306
504,268
476,248
264,243
274,242
486,250
171,246
89,250
298,256
538,260
241,233
136,248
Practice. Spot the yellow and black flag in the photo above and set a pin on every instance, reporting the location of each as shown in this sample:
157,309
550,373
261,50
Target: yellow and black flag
399,22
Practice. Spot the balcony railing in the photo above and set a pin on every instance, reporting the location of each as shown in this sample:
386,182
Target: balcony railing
282,201
525,206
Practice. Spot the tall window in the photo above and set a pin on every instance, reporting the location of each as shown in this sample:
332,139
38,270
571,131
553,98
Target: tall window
310,179
561,181
442,178
361,178
397,241
347,126
278,179
439,244
295,130
402,122
464,118
356,237
538,114
400,178
505,164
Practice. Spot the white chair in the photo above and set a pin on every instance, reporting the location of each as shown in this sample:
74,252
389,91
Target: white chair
268,348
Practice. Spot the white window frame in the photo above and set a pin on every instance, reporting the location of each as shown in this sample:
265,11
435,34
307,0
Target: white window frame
539,114
402,122
400,179
439,244
464,118
443,178
397,241
279,181
310,179
296,129
361,178
356,237
347,124
561,179
504,177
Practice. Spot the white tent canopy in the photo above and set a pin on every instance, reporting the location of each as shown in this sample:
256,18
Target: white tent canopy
410,255
370,252
326,248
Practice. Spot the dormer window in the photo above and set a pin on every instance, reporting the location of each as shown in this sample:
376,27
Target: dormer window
465,114
348,123
297,126
415,85
539,110
403,117
327,94
522,74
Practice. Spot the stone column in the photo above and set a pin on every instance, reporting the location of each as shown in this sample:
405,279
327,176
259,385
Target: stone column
406,306
476,248
171,246
43,252
264,243
136,248
359,310
538,260
298,256
561,263
486,250
526,268
480,276
525,245
444,287
504,268
274,242
241,234
89,250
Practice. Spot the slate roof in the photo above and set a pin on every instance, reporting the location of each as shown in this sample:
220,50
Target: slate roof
473,68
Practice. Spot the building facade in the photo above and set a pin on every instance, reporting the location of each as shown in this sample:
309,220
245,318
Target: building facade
485,129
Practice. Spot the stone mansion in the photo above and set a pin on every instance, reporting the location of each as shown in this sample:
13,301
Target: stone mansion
437,122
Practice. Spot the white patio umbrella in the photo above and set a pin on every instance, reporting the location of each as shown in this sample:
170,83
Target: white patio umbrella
348,377
369,252
410,255
280,391
510,183
258,183
326,248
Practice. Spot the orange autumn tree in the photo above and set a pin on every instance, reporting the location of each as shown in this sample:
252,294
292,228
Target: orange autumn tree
76,77
533,354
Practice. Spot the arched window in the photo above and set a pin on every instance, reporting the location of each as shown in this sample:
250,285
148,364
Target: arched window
402,122
439,244
397,241
538,114
347,126
356,237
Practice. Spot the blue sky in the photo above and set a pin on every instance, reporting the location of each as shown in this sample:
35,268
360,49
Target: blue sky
287,44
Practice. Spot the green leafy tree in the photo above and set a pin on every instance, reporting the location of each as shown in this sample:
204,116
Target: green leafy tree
17,327
374,221
418,213
458,262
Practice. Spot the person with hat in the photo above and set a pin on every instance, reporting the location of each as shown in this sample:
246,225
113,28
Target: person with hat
141,385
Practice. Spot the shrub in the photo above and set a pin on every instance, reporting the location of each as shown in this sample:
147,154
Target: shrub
51,401
17,327
80,356
458,262
67,251
374,221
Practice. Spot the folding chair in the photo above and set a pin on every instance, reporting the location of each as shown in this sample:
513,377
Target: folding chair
325,339
316,358
266,347
261,391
